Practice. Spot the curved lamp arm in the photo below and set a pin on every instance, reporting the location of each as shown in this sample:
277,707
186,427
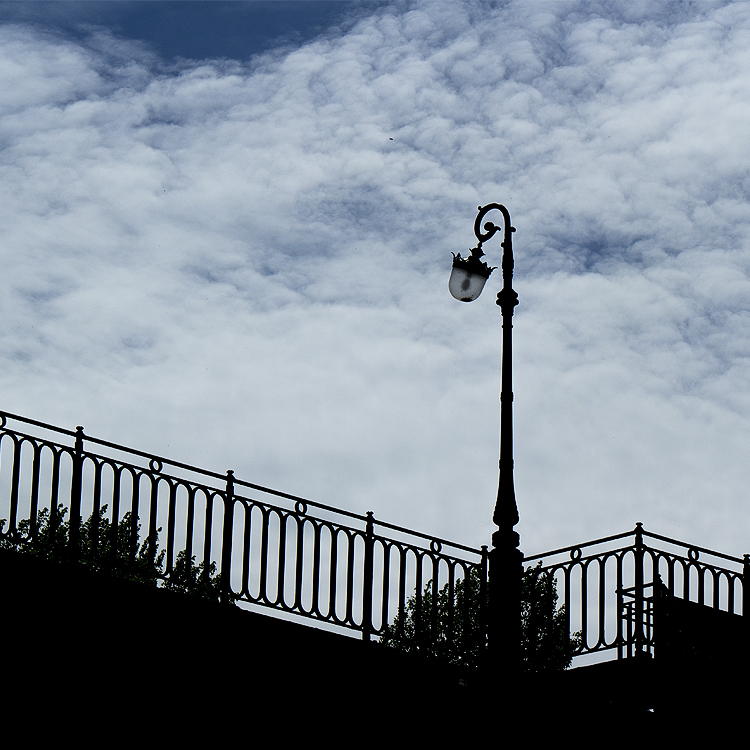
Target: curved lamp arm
470,274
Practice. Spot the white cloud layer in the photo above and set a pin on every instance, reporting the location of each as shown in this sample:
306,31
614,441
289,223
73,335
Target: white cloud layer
244,265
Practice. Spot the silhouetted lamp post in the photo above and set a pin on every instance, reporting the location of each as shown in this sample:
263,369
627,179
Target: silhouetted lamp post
467,280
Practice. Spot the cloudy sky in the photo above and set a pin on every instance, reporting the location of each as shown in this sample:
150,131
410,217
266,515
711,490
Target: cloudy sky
227,233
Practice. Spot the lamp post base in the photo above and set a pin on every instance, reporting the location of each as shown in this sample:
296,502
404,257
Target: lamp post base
505,574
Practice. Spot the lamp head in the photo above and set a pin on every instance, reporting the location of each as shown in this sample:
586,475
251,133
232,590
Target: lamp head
469,275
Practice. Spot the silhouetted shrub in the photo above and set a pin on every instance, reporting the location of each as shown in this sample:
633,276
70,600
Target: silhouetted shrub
546,644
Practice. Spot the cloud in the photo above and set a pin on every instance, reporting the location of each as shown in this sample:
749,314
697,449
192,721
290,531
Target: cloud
244,264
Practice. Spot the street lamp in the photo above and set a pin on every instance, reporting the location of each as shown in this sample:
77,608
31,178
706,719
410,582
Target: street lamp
468,277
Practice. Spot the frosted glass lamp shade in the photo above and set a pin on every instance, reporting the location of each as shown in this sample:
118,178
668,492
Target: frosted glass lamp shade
465,285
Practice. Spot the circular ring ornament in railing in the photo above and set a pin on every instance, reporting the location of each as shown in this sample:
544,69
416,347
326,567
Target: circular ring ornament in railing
575,553
2,420
155,465
435,546
693,554
300,507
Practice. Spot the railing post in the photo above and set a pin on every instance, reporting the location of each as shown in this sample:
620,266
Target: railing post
483,610
367,584
76,488
226,539
639,613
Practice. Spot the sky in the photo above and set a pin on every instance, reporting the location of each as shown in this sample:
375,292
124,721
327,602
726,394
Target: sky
226,234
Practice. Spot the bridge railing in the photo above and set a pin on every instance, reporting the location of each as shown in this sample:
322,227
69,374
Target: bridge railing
248,544
609,585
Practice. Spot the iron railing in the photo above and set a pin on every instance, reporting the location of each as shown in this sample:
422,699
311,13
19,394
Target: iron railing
609,586
263,547
270,549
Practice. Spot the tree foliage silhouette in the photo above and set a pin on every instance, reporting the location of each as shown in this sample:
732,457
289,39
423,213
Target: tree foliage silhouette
451,628
114,549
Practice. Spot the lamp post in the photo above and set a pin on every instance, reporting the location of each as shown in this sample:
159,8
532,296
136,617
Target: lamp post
467,280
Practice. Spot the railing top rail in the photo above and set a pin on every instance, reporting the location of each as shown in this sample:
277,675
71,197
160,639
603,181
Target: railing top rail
633,533
559,551
7,415
694,547
4,415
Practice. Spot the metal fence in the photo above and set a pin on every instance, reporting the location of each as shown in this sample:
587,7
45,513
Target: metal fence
609,586
180,526
242,542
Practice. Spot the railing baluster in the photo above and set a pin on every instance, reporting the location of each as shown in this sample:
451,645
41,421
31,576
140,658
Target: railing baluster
115,511
208,536
602,571
299,561
315,593
433,633
281,567
135,512
620,609
685,565
584,603
670,570
350,578
264,552
386,587
450,625
35,474
247,539
716,583
419,616
14,487
171,522
54,494
189,526
97,500
332,575
402,587
153,519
